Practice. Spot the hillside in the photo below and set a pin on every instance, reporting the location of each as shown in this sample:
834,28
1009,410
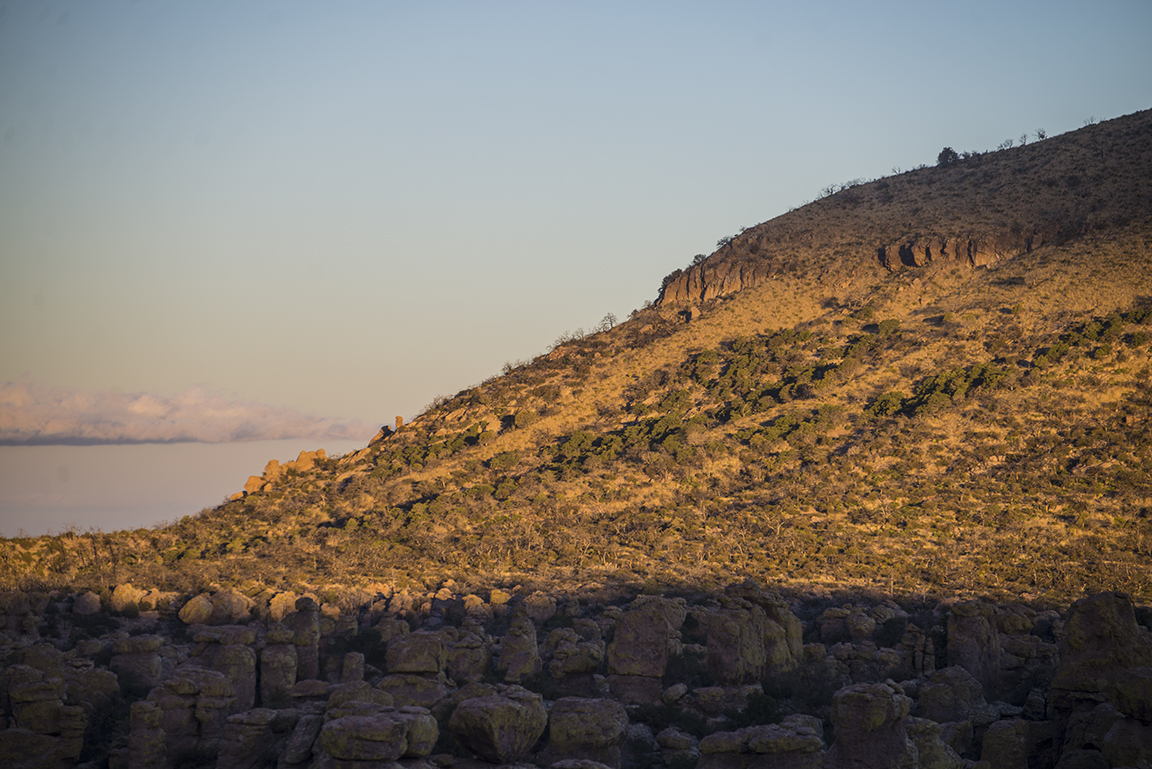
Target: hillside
930,384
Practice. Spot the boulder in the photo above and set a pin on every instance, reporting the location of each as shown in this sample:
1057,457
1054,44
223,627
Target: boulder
715,701
917,651
198,611
125,594
86,603
798,733
35,700
678,747
281,605
469,691
958,735
1082,759
860,625
795,743
386,735
589,729
501,728
311,690
94,689
477,609
390,628
238,663
352,668
229,607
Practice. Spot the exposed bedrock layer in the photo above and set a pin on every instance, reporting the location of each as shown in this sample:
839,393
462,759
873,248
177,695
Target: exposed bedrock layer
755,258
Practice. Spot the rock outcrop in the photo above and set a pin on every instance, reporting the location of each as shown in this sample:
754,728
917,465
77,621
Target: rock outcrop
274,470
759,255
638,654
712,279
686,684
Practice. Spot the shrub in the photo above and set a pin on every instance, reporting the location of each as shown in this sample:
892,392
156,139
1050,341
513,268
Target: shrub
525,417
887,404
506,489
504,461
947,157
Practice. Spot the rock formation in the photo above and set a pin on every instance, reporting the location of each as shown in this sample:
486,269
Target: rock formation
725,681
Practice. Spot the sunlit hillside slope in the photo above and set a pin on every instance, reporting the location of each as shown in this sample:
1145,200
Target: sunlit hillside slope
932,383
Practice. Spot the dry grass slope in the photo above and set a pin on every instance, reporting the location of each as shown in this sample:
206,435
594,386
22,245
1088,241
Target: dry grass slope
856,416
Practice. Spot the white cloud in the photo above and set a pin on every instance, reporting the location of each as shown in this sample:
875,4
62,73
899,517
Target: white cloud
35,415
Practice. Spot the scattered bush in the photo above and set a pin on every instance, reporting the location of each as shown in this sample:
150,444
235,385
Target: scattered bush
947,157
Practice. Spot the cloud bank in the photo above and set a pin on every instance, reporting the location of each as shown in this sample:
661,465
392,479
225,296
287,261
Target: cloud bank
31,415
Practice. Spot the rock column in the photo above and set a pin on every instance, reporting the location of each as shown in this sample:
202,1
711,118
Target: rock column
277,668
306,626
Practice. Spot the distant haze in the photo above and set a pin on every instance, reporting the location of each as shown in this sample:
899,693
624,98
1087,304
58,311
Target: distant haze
52,488
40,416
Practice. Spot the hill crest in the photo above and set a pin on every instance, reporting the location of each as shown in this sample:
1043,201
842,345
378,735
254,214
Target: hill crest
974,210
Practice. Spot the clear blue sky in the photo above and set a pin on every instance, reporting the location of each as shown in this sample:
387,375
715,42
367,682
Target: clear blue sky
349,208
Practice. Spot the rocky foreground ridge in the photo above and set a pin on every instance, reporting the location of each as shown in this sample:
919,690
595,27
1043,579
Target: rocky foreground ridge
738,678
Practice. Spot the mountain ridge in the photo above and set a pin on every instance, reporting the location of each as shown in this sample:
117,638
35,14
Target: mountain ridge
1055,189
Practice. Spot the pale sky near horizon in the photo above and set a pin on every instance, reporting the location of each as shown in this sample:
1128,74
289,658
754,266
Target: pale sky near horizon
345,209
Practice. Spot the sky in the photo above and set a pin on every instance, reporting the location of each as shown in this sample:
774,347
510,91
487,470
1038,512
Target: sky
316,217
